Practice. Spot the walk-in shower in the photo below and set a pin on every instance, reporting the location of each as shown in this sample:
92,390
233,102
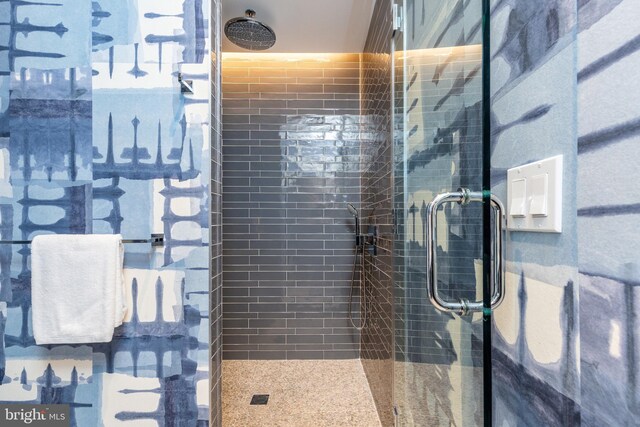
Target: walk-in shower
345,238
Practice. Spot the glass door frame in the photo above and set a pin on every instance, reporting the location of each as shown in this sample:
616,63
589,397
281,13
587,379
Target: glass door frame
487,318
399,40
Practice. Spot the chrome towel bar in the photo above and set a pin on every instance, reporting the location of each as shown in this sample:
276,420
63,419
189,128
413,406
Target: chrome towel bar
155,240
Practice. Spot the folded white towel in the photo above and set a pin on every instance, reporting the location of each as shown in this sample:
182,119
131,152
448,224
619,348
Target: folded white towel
77,287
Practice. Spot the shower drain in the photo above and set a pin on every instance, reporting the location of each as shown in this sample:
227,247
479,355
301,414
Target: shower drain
259,399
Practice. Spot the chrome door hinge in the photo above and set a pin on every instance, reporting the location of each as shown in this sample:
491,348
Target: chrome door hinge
398,18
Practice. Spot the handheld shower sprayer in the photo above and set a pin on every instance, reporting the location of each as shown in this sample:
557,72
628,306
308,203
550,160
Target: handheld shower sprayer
359,249
353,211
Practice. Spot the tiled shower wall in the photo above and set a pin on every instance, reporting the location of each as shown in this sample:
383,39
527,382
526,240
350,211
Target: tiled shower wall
96,137
291,164
215,312
377,336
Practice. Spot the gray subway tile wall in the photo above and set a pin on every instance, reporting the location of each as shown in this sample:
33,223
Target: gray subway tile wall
215,315
421,336
291,128
377,185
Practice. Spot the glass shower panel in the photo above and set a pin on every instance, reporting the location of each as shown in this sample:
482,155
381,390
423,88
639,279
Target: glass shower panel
438,148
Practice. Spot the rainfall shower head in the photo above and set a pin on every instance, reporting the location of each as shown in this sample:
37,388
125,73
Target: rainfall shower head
249,33
352,210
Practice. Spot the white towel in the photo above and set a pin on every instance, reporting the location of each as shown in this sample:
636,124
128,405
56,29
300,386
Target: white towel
77,287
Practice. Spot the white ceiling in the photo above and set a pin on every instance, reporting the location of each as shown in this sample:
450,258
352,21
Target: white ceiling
312,26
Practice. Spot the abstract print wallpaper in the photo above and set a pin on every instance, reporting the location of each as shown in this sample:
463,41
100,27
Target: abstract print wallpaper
96,137
609,210
536,339
566,341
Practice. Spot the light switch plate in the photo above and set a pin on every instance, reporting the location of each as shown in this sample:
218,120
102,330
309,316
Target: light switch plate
539,195
542,211
518,205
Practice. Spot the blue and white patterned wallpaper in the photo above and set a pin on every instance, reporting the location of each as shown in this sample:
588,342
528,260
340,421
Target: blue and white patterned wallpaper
96,137
536,339
564,77
608,200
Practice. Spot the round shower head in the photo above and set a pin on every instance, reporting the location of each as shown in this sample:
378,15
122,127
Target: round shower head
249,33
352,210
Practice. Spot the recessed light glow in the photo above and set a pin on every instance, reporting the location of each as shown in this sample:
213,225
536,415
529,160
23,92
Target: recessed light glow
284,57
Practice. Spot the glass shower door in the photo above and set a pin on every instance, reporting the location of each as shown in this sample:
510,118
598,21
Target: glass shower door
447,250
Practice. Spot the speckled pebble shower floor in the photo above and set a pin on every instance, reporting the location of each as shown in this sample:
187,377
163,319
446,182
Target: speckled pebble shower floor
302,393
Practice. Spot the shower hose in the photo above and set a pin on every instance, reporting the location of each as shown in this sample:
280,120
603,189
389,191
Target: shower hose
363,297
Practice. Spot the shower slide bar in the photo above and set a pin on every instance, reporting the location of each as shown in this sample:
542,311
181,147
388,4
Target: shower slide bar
463,197
155,240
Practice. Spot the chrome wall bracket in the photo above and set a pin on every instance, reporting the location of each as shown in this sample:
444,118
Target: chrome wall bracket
463,197
186,86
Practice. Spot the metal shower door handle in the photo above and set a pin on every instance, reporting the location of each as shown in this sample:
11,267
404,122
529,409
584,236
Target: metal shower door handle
463,196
